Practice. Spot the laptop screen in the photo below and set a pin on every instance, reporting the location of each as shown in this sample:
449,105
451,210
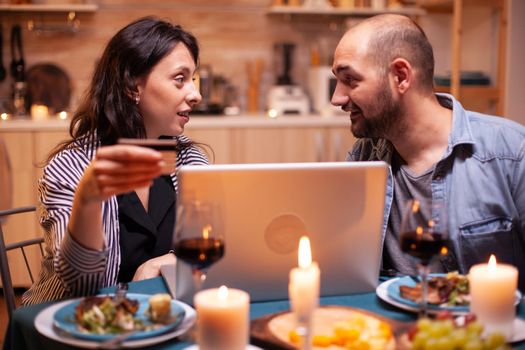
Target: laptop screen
266,208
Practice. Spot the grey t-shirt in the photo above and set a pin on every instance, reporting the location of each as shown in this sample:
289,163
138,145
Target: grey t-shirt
407,185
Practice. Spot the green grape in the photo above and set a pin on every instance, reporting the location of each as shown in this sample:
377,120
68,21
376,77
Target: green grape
445,343
423,324
448,326
436,330
473,344
419,341
494,340
459,337
474,329
432,344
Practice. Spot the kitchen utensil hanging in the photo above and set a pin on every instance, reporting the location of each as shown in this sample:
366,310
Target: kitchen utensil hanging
17,54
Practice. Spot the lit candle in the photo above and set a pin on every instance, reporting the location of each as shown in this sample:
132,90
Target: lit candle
222,319
493,291
303,289
39,112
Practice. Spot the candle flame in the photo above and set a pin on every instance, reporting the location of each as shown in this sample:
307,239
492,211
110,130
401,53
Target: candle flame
305,253
419,230
206,231
223,293
492,264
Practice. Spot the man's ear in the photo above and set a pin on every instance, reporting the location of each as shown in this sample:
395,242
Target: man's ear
402,73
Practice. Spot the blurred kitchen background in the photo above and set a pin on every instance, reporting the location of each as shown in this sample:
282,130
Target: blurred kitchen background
243,46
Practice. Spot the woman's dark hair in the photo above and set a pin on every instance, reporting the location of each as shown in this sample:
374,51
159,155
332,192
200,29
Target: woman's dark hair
108,106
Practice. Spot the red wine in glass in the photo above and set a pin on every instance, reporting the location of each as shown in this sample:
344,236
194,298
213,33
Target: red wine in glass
198,238
423,246
424,236
200,252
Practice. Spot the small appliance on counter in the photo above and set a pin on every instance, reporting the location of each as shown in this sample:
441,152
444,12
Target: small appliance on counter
321,87
285,97
219,96
205,85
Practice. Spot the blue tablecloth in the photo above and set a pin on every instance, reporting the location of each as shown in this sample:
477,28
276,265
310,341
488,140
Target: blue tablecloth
22,334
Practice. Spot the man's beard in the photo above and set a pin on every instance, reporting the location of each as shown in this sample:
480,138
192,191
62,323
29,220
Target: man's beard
381,118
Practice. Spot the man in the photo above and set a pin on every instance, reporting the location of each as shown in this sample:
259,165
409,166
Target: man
470,162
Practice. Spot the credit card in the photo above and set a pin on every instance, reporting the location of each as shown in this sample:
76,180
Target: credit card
165,146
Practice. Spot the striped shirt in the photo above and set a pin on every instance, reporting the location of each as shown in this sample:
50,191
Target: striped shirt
68,268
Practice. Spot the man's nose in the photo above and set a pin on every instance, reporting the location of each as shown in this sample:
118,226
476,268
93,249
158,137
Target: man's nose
339,97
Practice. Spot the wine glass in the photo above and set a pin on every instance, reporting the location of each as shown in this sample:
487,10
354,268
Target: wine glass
424,236
199,237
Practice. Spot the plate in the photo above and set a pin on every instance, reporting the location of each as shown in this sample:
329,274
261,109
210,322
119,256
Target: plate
44,325
272,331
384,292
393,292
64,319
248,347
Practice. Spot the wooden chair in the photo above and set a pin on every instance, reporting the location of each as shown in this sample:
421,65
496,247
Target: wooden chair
7,284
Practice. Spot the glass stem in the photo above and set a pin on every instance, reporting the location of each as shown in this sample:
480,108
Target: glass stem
199,276
304,331
423,272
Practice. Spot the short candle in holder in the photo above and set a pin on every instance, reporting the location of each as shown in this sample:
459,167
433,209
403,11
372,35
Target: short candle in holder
222,318
493,292
303,290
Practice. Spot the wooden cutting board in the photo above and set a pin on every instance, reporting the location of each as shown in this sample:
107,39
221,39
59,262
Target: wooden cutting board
271,332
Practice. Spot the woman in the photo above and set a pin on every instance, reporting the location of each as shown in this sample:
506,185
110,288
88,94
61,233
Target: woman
107,215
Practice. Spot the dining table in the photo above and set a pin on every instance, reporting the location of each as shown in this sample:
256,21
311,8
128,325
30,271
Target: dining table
22,333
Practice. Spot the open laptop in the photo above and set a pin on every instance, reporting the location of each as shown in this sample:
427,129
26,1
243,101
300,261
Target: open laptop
268,207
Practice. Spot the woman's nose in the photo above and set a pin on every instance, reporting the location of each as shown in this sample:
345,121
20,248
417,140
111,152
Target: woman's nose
193,96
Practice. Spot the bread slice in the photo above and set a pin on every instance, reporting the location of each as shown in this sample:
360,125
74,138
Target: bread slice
160,308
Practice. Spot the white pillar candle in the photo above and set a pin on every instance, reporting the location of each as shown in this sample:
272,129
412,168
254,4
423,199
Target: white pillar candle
222,319
493,291
303,288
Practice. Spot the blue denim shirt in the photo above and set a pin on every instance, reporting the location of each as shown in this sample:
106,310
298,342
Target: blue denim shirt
481,179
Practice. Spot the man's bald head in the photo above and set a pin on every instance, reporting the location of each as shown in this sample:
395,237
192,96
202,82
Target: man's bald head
388,37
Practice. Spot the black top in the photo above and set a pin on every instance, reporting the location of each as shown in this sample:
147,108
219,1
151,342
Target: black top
145,235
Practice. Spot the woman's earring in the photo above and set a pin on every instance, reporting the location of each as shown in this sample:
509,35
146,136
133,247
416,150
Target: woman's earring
137,99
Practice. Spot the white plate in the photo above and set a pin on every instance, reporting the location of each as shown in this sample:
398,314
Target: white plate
44,325
382,293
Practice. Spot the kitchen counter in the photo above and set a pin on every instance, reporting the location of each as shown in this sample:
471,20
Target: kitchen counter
199,122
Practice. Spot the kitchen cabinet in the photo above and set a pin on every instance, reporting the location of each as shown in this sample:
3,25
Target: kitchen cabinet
476,97
297,144
289,139
27,150
278,145
216,143
340,141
